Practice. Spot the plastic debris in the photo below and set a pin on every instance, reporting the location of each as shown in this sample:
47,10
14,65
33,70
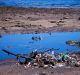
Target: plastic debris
45,59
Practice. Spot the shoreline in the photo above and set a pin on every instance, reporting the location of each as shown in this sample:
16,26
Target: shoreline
39,20
11,68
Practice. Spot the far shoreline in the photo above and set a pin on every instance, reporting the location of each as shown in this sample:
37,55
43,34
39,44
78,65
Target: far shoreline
38,20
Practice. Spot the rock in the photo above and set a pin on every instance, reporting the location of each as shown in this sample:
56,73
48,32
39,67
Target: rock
77,64
73,43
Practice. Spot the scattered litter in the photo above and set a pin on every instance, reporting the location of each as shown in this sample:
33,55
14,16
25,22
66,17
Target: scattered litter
60,65
36,38
77,64
45,59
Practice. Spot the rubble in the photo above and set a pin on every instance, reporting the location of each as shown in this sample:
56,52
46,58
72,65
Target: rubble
44,59
77,64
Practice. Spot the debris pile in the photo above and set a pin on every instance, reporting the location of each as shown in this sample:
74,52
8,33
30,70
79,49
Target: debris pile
45,59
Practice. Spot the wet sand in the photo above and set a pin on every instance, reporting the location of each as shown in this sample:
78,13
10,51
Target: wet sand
30,20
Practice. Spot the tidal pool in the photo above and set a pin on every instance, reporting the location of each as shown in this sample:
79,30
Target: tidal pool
25,43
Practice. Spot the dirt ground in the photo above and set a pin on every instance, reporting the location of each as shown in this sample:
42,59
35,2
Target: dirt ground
10,68
29,20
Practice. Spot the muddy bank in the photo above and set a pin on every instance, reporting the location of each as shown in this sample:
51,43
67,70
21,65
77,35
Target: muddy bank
30,20
13,69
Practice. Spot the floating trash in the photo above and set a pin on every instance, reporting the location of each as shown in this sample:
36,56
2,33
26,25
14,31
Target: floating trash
36,38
